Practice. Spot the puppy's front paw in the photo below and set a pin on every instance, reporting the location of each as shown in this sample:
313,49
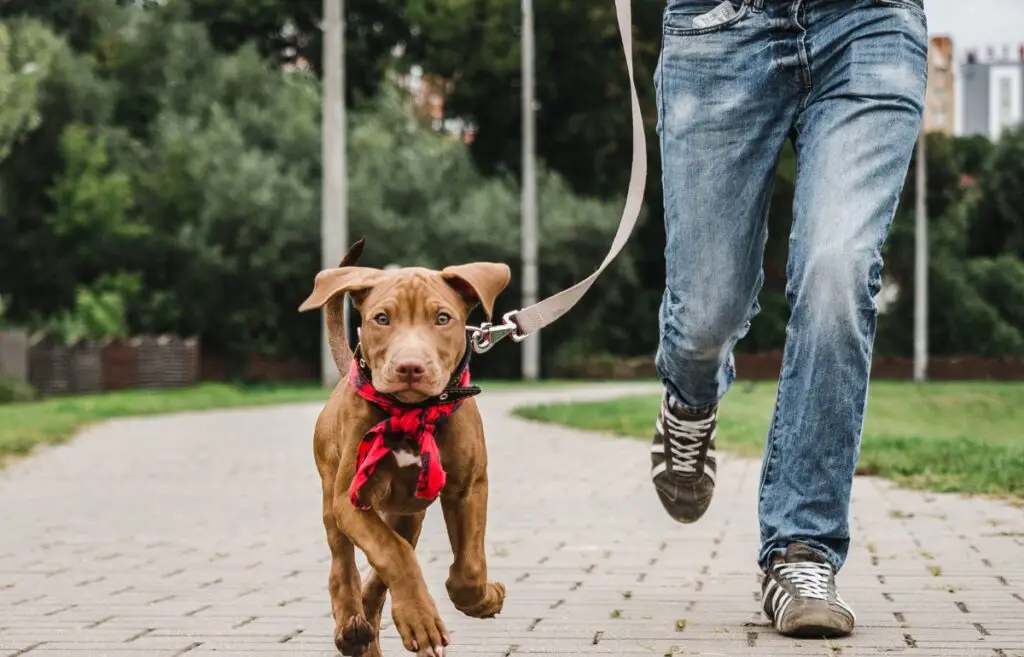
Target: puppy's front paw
486,606
353,636
420,627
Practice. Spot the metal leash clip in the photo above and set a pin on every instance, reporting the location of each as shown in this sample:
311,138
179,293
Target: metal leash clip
485,336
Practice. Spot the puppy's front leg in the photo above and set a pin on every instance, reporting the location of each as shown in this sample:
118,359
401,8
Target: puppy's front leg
465,517
374,588
394,561
352,633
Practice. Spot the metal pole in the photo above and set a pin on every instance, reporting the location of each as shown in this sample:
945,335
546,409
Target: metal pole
531,346
921,266
333,217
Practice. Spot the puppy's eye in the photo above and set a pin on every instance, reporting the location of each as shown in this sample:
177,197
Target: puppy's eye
382,319
443,319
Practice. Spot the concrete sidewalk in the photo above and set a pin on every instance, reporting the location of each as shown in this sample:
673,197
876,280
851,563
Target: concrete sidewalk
200,534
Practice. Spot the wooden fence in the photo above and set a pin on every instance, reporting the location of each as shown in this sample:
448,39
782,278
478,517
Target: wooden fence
766,366
145,362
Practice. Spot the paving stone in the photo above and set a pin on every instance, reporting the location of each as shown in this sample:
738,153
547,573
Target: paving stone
199,534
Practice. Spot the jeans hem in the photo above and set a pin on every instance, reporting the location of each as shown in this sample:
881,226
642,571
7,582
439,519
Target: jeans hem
764,560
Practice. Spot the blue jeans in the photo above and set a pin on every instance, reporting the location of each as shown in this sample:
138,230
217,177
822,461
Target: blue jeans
845,80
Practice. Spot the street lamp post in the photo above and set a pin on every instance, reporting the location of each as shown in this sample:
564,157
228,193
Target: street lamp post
333,211
531,346
921,266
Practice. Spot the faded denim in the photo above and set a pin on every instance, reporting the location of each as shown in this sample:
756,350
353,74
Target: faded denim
846,80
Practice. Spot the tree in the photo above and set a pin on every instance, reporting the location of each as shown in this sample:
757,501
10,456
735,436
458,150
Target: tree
974,303
583,116
582,89
999,223
77,21
27,51
944,187
972,153
288,32
33,269
92,230
405,176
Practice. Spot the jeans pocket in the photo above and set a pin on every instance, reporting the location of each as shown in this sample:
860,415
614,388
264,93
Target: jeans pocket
915,5
678,20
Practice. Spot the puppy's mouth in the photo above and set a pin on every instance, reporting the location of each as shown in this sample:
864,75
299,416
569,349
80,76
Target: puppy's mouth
411,394
409,391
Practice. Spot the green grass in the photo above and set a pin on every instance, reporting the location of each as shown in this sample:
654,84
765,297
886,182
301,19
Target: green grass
54,420
954,437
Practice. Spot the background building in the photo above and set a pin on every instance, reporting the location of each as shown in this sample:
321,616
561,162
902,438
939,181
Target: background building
992,91
940,102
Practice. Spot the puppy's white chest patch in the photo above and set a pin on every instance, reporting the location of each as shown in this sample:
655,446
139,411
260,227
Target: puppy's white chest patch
405,458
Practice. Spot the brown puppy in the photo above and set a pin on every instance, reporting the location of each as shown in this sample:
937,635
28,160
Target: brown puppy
412,342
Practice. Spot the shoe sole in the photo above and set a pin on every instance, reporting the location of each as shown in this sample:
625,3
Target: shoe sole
692,513
815,624
815,632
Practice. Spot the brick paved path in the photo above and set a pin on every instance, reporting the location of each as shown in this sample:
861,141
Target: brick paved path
200,534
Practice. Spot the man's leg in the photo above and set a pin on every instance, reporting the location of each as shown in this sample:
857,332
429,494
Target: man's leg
724,112
856,133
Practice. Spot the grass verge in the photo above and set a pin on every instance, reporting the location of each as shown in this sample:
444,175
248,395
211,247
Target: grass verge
54,420
965,437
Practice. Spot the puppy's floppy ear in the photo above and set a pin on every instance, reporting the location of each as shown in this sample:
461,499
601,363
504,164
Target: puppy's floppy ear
478,282
332,282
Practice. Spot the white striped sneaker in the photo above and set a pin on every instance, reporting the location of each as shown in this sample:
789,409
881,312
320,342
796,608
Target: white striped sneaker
799,596
683,460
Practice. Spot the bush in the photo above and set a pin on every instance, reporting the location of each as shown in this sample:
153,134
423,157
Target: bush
13,391
99,312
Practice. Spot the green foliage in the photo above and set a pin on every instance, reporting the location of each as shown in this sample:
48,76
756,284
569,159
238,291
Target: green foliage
999,227
100,311
972,153
232,187
975,281
407,180
197,176
975,304
160,172
582,90
289,32
78,21
944,177
14,391
92,202
27,51
583,116
34,265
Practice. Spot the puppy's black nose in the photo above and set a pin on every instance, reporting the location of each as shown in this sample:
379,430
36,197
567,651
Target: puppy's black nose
411,370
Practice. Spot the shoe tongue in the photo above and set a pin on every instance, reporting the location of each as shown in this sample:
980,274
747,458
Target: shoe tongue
800,552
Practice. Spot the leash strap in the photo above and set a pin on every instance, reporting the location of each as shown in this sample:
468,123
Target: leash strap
519,324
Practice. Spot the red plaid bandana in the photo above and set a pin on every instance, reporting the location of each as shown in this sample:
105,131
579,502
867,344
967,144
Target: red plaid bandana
414,425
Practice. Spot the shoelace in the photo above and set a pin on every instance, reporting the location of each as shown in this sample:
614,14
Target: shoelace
685,438
808,577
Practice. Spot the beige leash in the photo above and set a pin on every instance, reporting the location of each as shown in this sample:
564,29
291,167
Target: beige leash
519,324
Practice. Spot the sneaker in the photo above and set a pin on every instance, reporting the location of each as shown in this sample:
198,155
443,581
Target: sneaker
683,459
799,596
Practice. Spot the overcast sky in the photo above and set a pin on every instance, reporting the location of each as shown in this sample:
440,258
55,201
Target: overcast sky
978,23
